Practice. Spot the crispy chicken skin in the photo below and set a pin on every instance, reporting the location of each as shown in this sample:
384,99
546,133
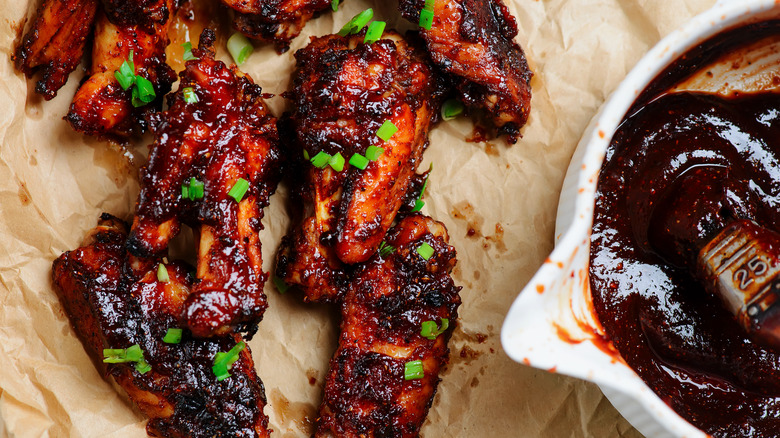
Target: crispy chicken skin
474,41
343,91
55,43
114,300
276,21
144,13
227,135
101,107
366,394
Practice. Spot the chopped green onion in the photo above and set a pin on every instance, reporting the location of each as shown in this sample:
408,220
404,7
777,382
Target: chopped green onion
142,366
335,5
359,161
337,162
196,189
185,191
125,355
224,361
305,154
387,130
357,23
425,250
413,370
430,330
239,189
320,160
190,96
429,4
173,336
239,47
451,109
426,19
143,92
374,32
188,56
385,249
373,152
418,204
125,75
162,273
280,284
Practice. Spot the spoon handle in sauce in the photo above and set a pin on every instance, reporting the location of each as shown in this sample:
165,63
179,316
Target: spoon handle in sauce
742,266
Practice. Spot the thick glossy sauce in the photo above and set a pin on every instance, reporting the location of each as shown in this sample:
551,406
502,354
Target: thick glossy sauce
680,167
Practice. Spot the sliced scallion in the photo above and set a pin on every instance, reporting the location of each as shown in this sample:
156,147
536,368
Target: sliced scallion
305,154
374,152
451,109
385,249
162,273
188,56
336,161
357,23
224,361
358,161
320,160
189,95
387,130
374,32
143,92
173,336
239,47
430,330
133,353
334,4
413,370
425,250
426,19
196,189
280,284
239,189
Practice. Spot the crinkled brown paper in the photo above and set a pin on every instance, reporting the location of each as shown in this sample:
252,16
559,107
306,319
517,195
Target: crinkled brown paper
54,183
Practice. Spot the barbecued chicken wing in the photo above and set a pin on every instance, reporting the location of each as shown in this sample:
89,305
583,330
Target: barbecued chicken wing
276,21
101,106
343,92
144,13
55,42
218,133
474,41
116,301
389,299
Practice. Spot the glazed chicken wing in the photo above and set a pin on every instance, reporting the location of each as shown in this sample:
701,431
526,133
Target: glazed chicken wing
214,164
144,13
343,92
115,301
101,106
474,41
391,297
55,42
276,21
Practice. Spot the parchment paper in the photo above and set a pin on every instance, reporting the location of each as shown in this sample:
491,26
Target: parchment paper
54,183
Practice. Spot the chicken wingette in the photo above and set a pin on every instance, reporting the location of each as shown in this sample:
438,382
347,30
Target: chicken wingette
397,318
122,308
214,164
366,110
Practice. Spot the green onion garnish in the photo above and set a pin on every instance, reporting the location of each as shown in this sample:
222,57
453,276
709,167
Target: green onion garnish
280,284
387,130
335,5
162,273
188,56
357,23
125,355
413,370
430,330
185,191
196,189
126,73
190,96
173,336
451,109
426,19
239,47
224,361
429,4
320,160
425,250
305,154
143,92
337,162
385,249
374,32
239,189
359,161
418,204
373,152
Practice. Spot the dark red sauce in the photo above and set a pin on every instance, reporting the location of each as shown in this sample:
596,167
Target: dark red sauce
685,165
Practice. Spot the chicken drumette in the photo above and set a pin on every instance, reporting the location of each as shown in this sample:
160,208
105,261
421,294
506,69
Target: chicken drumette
383,376
213,166
116,302
343,92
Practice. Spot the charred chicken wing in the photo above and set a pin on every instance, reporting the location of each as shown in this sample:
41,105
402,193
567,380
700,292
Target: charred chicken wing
55,42
213,166
398,316
101,105
119,304
343,92
474,41
276,21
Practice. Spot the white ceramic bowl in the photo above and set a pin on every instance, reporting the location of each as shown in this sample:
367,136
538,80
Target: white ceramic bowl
551,324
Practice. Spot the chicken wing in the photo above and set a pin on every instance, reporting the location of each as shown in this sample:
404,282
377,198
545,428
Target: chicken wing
383,339
474,41
55,43
276,21
115,301
101,106
343,92
144,13
216,136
